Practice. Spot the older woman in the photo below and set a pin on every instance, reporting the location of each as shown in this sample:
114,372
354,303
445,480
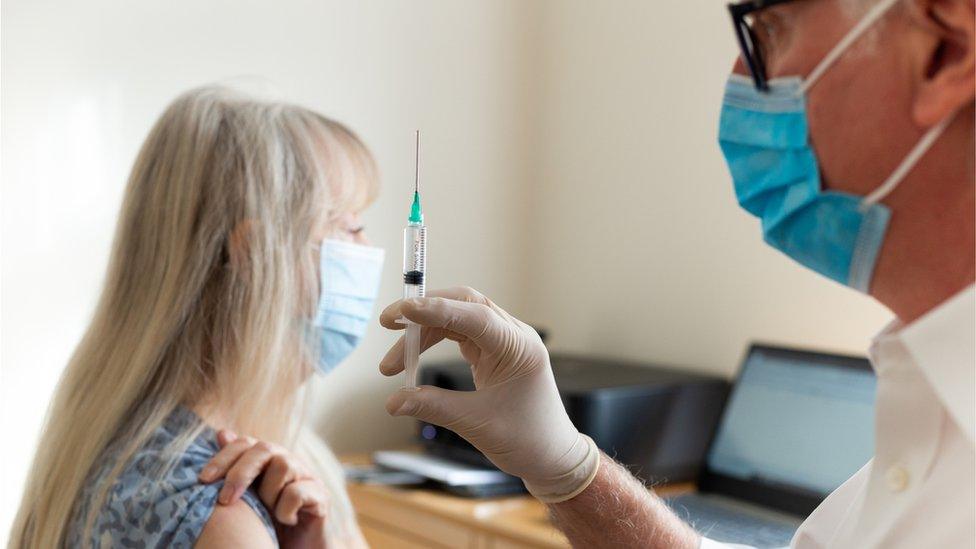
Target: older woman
239,268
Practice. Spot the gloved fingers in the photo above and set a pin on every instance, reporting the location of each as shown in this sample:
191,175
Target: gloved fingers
392,313
460,293
390,317
470,352
392,362
449,409
477,322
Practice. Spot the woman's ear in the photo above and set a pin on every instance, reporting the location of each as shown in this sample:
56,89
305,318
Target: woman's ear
238,243
948,82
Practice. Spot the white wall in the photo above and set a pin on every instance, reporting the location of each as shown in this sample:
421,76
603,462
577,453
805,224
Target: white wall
569,151
83,82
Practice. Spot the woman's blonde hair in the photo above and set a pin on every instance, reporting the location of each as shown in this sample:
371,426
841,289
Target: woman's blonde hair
210,284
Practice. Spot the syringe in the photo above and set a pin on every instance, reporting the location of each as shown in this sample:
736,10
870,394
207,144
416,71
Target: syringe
414,272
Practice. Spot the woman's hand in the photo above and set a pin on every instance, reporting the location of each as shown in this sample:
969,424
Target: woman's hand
296,499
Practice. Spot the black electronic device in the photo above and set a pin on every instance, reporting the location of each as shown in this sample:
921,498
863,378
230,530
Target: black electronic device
656,420
797,424
816,408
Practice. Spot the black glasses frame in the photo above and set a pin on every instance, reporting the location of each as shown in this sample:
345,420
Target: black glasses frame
748,45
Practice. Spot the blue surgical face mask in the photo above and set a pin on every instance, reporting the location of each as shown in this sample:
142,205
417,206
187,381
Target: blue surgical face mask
349,278
766,142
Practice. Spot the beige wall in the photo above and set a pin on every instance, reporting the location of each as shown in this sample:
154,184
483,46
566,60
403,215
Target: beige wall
570,172
638,248
83,82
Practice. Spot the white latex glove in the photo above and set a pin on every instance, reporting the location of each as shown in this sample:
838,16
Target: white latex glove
515,416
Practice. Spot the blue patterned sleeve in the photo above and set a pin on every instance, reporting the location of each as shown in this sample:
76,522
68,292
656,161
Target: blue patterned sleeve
145,511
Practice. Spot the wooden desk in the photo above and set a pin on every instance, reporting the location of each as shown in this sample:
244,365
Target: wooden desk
413,518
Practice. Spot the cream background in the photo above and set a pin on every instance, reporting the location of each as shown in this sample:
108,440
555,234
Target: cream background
570,172
633,212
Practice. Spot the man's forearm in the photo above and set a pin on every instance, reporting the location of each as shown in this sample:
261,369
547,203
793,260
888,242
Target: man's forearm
617,510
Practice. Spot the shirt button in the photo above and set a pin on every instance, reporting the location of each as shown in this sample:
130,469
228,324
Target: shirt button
897,478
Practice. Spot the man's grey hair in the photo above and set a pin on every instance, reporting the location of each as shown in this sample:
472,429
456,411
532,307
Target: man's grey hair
867,44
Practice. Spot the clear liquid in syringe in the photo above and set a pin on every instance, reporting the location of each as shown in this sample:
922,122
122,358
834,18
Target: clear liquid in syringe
414,274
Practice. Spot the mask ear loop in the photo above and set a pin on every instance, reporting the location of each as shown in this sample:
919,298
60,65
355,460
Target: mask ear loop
860,28
923,144
907,164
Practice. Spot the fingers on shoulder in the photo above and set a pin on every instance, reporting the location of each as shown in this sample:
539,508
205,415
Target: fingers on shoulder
307,495
225,437
228,455
282,471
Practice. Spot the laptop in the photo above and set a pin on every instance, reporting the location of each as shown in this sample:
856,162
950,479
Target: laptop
797,424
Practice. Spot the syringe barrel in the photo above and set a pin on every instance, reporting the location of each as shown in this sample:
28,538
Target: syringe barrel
414,260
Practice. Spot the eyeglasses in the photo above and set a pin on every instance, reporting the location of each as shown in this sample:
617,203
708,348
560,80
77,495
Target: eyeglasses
751,49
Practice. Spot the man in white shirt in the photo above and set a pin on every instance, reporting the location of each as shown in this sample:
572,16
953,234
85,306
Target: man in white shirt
848,127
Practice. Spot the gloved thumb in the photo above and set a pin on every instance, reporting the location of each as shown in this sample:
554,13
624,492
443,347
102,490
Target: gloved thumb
433,405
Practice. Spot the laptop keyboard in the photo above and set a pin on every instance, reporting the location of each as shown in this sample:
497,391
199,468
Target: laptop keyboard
722,522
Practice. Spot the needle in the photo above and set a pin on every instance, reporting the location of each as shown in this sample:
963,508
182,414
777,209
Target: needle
416,179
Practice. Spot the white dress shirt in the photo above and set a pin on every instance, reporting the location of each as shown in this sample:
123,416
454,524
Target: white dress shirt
919,490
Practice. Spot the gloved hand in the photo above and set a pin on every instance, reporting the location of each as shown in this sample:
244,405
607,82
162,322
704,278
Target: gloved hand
515,416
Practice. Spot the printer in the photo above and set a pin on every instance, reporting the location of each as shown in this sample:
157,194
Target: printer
656,420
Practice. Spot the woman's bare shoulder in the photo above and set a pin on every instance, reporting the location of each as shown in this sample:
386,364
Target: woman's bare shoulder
235,525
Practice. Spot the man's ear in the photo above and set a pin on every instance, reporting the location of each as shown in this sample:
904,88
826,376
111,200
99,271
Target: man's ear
948,80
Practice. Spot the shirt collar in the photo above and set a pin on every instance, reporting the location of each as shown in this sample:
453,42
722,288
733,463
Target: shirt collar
942,345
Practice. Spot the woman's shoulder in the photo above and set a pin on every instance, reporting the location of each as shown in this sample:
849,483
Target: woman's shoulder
157,499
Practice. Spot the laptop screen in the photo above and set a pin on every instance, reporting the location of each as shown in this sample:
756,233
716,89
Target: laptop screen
796,420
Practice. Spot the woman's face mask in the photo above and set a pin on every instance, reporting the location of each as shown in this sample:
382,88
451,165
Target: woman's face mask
349,279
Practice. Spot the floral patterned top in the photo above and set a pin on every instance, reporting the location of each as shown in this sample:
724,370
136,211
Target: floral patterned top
140,513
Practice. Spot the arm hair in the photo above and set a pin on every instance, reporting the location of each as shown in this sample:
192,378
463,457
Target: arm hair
617,510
